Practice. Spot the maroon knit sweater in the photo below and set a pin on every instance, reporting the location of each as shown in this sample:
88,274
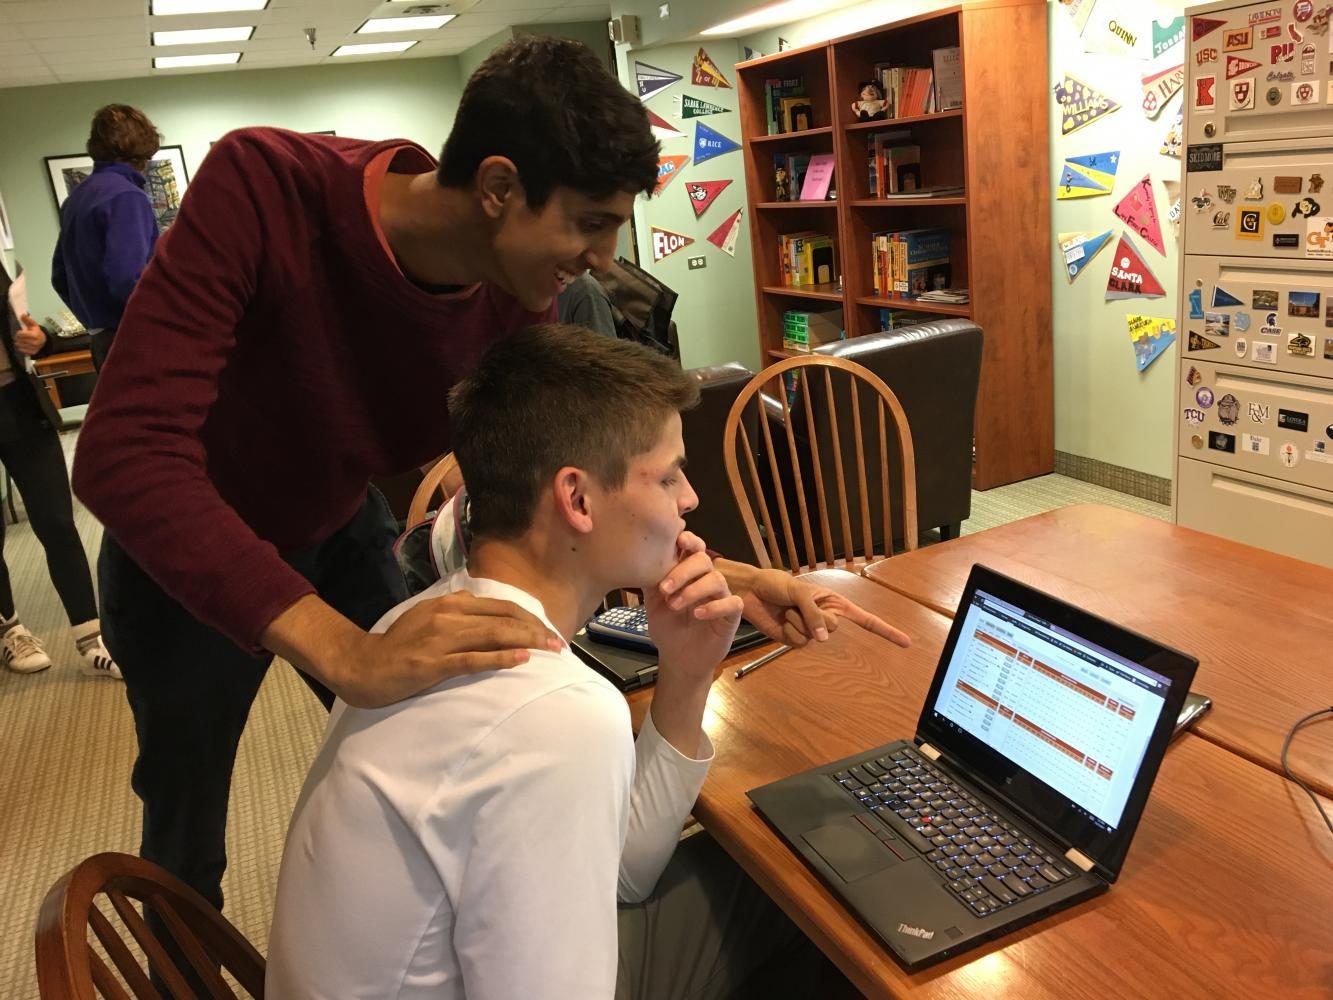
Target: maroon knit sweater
270,360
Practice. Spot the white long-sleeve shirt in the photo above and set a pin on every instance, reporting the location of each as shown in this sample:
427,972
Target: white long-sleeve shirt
473,841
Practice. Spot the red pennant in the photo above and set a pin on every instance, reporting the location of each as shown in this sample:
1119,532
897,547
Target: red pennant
724,236
1204,26
702,194
1138,211
1130,276
662,128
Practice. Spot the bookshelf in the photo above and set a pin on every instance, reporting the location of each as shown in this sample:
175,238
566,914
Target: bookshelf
995,148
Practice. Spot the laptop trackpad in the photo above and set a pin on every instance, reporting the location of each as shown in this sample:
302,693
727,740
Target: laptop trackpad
850,849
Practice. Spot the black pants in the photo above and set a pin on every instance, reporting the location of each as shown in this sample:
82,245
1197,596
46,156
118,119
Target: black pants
190,688
30,450
99,344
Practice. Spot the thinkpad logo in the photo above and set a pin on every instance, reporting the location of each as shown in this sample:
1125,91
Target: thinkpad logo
920,932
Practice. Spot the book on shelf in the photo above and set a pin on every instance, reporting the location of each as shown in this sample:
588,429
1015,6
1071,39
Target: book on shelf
951,296
932,191
803,330
797,114
808,258
775,91
908,262
901,319
948,78
908,90
818,177
875,144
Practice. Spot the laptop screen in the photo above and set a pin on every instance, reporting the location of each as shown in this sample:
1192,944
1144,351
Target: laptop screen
1061,716
1072,714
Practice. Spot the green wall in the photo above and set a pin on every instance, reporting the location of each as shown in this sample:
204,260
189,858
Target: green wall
412,98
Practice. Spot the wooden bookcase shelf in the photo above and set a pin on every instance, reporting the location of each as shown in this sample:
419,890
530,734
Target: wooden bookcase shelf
995,148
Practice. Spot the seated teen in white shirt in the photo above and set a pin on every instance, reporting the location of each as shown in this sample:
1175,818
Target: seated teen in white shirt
473,841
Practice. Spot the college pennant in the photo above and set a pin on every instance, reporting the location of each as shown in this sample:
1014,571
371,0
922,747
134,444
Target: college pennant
1088,176
665,242
1150,335
1130,277
1205,26
652,80
1079,249
1080,104
692,107
708,143
704,72
662,128
724,236
1138,211
703,193
1160,87
667,168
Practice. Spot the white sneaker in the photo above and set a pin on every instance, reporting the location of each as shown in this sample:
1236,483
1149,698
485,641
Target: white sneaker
22,651
97,661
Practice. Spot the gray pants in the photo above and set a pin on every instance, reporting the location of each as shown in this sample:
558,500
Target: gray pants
704,932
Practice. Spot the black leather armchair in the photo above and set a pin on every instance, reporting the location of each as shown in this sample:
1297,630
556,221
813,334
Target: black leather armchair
716,520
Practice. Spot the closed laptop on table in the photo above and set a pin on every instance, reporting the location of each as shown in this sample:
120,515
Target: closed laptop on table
1035,751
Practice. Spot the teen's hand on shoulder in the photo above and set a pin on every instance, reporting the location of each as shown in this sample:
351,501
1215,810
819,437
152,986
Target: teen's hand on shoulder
433,641
30,338
790,610
694,620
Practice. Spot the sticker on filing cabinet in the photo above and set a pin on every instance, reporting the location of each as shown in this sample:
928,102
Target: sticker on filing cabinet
1238,66
1293,420
1197,441
1205,26
1223,298
1303,304
1270,327
1202,201
1193,417
1205,93
1287,184
1228,410
1273,96
1250,224
1280,76
1319,237
1306,208
1202,158
1286,241
1196,301
1200,343
1305,92
1258,412
1193,376
1221,220
1217,324
1319,453
1300,345
1289,454
1264,298
1242,322
1316,183
1237,39
1264,353
1281,52
1203,396
1255,192
1328,348
1303,10
1308,56
1266,15
1242,94
1254,444
1219,441
1226,193
1242,345
1276,214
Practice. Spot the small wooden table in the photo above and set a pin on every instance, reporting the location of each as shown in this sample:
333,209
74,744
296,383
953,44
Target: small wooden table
1209,904
53,367
1260,624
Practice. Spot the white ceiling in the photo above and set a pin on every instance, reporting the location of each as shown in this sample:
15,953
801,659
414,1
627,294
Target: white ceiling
61,41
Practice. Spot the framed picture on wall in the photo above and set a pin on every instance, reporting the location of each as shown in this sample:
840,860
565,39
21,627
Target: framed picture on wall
166,180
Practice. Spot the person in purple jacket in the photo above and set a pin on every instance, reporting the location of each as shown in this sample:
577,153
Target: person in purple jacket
107,225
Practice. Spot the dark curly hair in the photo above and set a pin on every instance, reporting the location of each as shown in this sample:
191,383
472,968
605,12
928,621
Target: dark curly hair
550,106
120,132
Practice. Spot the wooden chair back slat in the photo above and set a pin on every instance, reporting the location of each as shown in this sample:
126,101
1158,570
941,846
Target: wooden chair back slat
126,964
69,968
423,500
769,549
797,482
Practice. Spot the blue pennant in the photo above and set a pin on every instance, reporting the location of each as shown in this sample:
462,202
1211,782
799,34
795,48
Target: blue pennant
708,144
1222,298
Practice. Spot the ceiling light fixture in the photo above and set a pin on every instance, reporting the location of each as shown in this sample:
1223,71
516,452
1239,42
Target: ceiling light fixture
781,13
210,59
378,25
204,36
373,48
165,8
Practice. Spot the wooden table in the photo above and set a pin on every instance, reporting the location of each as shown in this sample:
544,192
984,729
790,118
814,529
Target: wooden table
53,367
1225,891
1260,624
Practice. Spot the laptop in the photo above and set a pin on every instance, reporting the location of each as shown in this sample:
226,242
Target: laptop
1034,754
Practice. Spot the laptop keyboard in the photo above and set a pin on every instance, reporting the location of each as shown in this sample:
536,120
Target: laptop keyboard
986,862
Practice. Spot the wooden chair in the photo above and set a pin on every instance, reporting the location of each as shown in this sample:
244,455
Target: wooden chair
443,477
852,524
70,968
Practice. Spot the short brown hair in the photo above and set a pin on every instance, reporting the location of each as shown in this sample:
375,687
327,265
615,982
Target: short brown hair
120,132
551,396
551,107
